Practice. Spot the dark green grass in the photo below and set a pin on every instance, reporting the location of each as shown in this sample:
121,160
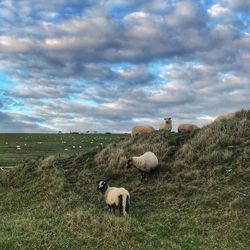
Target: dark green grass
198,199
33,145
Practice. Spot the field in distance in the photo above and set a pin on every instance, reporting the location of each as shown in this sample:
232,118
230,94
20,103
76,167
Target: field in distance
15,148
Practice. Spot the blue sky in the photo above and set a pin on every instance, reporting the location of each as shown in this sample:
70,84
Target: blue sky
109,65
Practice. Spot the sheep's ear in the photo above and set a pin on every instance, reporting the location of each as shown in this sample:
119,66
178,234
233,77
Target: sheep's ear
98,182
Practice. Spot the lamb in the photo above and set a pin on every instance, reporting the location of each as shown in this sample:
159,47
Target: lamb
144,163
186,128
167,125
115,198
137,130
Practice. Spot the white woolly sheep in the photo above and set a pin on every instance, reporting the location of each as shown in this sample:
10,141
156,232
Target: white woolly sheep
167,125
115,198
144,163
227,116
137,130
186,128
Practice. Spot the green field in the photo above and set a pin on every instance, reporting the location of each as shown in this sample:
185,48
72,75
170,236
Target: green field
33,145
198,199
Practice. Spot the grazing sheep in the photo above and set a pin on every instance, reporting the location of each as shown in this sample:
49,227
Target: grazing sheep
167,125
186,128
141,130
115,198
144,163
227,116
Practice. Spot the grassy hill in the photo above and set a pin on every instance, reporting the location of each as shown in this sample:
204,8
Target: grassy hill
198,198
63,145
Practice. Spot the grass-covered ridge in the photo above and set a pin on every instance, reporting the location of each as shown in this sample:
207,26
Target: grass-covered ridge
198,199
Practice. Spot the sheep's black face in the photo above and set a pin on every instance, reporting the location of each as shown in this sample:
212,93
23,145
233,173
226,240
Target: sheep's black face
102,186
129,163
168,120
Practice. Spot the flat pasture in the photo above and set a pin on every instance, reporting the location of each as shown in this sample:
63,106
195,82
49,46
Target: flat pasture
16,148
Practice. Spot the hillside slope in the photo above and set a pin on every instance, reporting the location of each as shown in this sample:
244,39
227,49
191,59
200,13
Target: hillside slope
198,198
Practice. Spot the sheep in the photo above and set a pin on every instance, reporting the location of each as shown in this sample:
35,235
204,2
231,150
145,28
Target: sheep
227,116
186,128
115,198
167,125
144,163
137,130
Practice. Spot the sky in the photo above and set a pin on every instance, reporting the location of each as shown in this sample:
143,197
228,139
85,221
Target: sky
108,65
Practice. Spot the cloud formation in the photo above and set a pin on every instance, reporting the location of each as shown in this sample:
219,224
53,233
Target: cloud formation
109,65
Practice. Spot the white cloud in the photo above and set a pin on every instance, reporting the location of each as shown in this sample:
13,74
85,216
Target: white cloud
14,45
218,11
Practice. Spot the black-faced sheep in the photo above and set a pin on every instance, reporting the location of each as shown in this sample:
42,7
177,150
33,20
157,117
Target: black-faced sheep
144,163
186,128
115,198
167,125
141,130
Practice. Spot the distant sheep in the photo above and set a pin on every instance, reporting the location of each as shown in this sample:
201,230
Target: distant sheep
227,116
141,130
115,198
144,163
186,128
167,125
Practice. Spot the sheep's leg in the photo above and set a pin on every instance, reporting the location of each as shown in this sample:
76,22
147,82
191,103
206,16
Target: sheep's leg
127,204
109,208
120,204
142,176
